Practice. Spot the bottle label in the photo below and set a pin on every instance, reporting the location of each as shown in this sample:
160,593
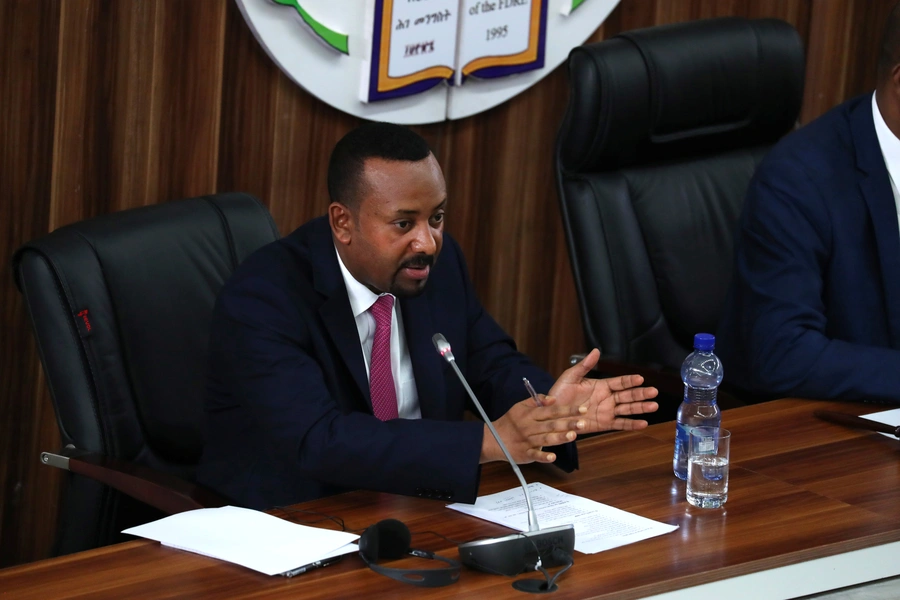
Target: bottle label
682,433
682,441
706,445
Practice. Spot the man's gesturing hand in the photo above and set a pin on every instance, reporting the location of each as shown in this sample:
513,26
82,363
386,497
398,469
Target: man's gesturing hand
608,401
526,428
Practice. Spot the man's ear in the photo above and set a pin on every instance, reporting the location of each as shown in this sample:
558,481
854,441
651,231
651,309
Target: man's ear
341,220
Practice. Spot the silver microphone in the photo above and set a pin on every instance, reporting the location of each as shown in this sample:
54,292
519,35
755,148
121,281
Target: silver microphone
511,554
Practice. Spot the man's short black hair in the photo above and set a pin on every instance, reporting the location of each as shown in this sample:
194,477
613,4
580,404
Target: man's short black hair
371,140
890,45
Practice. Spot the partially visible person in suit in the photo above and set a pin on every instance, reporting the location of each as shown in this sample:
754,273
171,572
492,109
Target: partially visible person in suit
814,308
323,375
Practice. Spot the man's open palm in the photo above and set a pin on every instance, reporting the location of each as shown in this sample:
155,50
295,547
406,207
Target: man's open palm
609,401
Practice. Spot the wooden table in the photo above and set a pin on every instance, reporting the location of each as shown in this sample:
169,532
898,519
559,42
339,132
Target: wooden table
811,506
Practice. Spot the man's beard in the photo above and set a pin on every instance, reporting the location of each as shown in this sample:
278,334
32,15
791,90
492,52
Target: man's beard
417,261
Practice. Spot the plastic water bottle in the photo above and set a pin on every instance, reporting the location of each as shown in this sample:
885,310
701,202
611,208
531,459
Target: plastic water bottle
702,374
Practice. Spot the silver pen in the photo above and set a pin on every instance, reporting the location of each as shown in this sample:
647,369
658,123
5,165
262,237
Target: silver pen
531,391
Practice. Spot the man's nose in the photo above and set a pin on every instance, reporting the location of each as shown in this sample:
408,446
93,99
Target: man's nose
424,241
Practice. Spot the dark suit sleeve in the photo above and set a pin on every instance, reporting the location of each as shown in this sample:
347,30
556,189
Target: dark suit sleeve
781,260
268,352
495,367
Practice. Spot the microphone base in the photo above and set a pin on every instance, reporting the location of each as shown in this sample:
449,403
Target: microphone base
519,552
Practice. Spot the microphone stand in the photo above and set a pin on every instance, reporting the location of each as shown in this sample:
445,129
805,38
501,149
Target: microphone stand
518,552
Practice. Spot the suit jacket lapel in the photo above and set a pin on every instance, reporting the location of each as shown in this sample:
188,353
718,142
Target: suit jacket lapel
335,310
419,327
875,186
417,323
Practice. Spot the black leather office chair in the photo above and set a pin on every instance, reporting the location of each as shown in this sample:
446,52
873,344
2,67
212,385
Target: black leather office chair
120,306
664,128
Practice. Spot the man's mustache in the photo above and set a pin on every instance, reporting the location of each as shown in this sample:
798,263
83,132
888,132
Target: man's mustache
418,261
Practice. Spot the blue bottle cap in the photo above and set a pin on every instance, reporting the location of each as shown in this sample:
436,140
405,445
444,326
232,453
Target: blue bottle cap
704,342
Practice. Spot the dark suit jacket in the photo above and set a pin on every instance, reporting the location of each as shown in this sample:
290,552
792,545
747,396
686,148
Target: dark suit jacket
814,308
289,413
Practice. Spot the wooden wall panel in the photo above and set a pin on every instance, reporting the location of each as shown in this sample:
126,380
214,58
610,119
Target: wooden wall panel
106,105
186,90
137,123
503,211
275,136
29,37
827,57
646,13
868,19
842,51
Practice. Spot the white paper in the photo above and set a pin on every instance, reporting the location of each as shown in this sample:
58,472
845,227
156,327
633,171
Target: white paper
598,527
888,417
247,537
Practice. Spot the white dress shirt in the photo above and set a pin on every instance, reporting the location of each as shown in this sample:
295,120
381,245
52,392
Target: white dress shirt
890,150
361,300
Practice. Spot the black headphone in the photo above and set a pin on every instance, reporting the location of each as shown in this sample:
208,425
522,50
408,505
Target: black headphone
389,539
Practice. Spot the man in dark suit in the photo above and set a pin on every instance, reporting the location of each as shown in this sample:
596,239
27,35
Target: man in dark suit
323,376
814,308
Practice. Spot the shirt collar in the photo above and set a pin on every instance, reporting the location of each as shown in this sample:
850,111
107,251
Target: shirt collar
361,297
890,145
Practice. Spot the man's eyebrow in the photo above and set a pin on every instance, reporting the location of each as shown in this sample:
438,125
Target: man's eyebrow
411,212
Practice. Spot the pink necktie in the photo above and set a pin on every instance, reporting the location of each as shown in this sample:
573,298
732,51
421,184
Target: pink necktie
381,377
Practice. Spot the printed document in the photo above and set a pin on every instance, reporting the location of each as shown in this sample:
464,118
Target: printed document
250,538
598,527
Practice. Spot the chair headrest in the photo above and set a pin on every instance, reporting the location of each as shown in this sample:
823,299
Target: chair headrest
681,89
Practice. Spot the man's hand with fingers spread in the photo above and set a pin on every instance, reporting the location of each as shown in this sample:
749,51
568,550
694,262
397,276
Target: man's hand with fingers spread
608,402
526,428
575,405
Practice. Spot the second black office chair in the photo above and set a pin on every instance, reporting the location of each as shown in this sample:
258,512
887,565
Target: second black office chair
664,128
120,306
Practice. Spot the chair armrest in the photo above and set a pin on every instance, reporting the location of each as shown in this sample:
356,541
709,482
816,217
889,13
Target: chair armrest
160,490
